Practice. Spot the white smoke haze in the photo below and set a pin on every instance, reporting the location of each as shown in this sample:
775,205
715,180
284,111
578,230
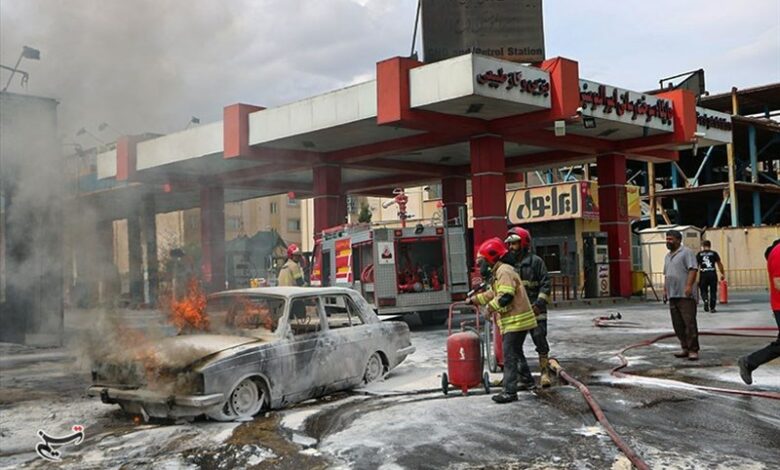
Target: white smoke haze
149,65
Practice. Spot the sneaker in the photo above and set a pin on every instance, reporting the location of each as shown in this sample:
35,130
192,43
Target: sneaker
504,397
712,310
706,308
744,371
681,354
693,356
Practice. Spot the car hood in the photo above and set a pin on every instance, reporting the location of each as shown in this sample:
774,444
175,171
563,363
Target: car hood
181,351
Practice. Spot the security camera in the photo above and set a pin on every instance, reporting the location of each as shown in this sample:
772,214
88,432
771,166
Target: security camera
389,203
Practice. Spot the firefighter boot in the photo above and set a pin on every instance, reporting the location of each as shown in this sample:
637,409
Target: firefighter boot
544,380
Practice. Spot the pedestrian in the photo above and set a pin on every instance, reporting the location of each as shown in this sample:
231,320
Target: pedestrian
536,281
679,289
506,296
708,276
291,273
749,363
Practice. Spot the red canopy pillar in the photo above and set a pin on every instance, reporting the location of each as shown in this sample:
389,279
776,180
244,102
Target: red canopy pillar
613,215
453,196
330,207
488,188
212,238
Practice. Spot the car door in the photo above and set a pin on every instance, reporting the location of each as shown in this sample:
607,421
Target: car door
306,355
343,341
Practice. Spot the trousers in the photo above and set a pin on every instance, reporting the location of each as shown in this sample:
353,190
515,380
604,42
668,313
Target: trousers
762,356
515,365
683,312
708,282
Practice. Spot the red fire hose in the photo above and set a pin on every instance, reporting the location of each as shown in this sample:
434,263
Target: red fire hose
600,417
725,332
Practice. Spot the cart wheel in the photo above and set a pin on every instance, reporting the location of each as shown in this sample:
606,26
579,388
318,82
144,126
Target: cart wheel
445,384
486,382
490,348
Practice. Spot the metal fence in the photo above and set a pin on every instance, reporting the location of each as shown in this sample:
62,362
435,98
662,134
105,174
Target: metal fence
736,278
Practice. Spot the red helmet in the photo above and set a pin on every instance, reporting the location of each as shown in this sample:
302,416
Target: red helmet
492,250
292,250
519,234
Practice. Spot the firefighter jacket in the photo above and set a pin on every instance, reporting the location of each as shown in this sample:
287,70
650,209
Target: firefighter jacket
518,315
291,274
536,281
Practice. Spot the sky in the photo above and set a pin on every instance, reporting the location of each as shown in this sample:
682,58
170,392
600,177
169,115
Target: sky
150,65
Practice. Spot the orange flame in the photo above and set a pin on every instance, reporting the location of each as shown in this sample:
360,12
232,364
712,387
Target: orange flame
189,313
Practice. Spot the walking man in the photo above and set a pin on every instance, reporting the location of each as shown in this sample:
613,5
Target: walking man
536,281
679,287
516,318
708,277
749,363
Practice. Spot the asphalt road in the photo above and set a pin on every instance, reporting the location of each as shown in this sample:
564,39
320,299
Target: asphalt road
406,422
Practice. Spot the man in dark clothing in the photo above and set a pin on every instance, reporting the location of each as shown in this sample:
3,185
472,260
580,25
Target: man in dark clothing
679,288
708,277
533,272
748,364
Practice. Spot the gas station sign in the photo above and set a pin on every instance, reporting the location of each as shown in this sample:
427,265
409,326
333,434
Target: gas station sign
506,29
563,201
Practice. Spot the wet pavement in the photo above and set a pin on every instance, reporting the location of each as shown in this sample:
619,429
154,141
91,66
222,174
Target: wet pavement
406,421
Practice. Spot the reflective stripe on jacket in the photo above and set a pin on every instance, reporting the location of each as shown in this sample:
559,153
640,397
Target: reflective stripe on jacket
290,273
518,315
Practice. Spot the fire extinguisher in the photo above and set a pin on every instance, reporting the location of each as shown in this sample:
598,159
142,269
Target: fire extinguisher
723,292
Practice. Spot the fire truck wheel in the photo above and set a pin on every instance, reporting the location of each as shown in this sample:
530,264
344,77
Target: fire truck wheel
375,369
445,383
434,317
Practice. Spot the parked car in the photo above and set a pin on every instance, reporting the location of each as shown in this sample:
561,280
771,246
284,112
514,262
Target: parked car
267,347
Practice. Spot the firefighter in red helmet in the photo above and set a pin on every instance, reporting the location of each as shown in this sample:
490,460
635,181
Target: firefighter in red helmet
507,297
533,272
291,273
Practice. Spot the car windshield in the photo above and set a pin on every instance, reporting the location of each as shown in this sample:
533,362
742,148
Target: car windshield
248,315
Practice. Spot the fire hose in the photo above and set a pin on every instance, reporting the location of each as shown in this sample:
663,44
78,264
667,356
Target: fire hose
600,417
724,332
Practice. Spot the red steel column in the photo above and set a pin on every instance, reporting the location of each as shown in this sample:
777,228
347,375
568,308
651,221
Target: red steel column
453,196
212,238
488,188
613,215
330,206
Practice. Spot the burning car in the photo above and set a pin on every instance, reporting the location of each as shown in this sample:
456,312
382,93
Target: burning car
264,348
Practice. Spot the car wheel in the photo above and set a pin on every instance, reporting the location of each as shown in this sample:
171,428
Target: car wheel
245,401
374,369
435,317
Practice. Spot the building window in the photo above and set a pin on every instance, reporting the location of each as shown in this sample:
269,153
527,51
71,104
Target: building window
293,202
274,208
434,191
234,223
294,225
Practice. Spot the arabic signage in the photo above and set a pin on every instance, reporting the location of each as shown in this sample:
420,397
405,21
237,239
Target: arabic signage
507,29
514,80
607,102
563,201
714,126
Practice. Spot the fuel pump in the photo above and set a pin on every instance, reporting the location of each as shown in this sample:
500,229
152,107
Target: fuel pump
596,264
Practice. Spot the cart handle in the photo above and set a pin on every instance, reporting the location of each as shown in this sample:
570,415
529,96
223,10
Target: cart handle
452,311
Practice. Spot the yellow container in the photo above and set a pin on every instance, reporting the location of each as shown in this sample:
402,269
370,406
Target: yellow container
637,282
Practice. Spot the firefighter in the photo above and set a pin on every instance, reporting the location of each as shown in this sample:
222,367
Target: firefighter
536,281
516,318
291,273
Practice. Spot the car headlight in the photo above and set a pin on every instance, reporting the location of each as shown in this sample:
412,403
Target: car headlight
189,383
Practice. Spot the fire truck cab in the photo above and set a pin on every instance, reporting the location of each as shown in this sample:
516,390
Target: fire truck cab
399,271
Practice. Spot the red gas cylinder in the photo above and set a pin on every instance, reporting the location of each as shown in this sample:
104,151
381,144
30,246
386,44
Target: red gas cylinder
723,292
464,360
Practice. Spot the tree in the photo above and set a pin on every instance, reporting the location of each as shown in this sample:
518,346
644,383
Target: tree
364,217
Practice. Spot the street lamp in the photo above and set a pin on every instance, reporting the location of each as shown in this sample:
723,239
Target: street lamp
27,53
84,130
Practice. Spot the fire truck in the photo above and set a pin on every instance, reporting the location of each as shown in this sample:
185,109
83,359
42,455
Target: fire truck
399,271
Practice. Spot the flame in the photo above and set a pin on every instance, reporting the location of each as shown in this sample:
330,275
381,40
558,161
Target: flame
189,313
